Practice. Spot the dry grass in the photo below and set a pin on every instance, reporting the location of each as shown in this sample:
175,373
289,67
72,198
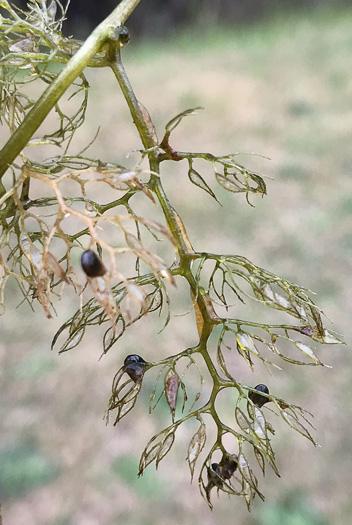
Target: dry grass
282,91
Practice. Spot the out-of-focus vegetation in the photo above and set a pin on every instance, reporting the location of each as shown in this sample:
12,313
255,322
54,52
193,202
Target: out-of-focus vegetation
289,98
22,467
156,18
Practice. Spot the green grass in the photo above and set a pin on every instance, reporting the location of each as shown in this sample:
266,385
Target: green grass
294,510
258,37
23,469
33,367
149,486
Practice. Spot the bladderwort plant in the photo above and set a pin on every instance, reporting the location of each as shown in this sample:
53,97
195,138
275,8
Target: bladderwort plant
47,215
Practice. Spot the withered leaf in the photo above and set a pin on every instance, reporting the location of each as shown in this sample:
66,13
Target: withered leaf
165,446
308,352
165,272
199,317
56,268
172,383
245,341
196,446
242,419
154,225
126,404
222,363
259,424
182,232
330,338
148,457
31,251
229,184
43,291
138,294
105,298
292,420
149,123
260,459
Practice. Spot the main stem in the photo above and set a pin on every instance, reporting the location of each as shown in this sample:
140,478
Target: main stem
174,222
57,88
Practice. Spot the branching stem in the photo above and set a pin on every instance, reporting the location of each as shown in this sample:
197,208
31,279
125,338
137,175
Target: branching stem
94,43
174,222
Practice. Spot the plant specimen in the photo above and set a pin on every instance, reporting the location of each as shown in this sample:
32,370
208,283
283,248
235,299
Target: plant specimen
39,199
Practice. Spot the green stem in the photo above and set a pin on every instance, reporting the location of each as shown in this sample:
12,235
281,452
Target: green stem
171,215
174,222
132,102
147,139
53,93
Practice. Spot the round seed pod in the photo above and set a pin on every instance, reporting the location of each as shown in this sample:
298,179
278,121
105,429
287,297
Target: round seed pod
258,399
92,265
135,367
124,36
228,465
214,475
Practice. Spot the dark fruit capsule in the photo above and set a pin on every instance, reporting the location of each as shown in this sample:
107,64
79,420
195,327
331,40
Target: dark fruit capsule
120,34
92,265
133,358
135,367
228,466
124,37
258,399
214,475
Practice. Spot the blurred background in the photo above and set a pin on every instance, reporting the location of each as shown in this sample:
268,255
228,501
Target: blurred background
275,81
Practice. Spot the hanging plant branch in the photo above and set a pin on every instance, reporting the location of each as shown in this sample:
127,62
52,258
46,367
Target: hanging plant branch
119,265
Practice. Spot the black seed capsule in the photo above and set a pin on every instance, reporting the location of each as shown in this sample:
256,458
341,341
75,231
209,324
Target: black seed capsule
228,466
124,35
135,367
92,265
214,476
258,399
